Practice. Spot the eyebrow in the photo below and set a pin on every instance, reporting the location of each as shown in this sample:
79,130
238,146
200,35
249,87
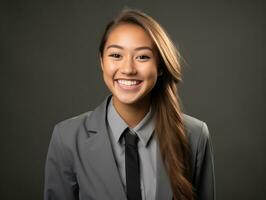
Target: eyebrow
136,49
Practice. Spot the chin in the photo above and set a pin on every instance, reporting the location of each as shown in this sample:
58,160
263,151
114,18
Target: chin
128,98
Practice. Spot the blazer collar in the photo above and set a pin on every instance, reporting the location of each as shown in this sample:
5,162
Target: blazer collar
102,158
97,120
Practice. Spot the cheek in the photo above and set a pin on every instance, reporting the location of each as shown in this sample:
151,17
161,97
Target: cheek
151,73
109,69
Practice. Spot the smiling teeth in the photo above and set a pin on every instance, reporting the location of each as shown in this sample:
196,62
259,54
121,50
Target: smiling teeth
127,82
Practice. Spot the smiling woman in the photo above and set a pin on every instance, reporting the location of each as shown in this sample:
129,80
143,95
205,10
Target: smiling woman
137,144
130,64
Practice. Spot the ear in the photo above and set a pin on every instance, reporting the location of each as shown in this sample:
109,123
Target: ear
160,72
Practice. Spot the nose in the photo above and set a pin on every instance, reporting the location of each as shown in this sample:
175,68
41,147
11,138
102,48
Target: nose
128,67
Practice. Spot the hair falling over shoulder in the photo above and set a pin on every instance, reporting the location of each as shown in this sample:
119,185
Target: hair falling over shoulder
170,130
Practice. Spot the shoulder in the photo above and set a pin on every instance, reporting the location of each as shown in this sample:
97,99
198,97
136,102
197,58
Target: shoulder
194,125
68,130
73,122
197,131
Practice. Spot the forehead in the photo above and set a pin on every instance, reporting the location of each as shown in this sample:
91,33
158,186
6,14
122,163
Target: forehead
129,35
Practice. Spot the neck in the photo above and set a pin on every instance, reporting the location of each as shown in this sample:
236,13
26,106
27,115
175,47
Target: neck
132,114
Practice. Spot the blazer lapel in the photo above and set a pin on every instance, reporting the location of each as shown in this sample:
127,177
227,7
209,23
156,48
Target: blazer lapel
163,189
101,154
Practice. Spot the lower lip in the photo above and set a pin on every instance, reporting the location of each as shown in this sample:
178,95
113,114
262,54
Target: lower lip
128,87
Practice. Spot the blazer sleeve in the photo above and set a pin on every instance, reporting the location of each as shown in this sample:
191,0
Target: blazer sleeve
205,176
60,181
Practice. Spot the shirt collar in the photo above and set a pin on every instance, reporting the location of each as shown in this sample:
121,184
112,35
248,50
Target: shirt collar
144,129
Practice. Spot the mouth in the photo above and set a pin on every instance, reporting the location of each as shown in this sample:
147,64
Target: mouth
127,84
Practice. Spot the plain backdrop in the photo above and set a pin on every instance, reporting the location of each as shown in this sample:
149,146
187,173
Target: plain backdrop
50,71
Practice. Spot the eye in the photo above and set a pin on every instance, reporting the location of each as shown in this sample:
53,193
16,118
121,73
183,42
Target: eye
115,55
143,58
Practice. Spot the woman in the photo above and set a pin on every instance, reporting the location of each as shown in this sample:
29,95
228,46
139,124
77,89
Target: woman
137,144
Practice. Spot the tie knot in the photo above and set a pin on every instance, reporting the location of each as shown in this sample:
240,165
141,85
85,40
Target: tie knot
131,138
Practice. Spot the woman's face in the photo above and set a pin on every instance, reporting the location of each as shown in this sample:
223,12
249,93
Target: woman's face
129,64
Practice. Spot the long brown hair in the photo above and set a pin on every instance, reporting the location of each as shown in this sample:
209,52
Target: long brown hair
169,129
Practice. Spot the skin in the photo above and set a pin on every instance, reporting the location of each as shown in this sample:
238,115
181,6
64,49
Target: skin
130,54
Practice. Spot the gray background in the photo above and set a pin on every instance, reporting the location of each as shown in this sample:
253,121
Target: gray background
50,71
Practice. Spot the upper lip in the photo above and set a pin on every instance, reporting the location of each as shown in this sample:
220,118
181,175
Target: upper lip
127,79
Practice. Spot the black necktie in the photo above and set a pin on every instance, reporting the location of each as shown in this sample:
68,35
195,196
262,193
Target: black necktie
132,166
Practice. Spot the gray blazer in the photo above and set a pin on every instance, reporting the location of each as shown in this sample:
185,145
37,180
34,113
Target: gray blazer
80,163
